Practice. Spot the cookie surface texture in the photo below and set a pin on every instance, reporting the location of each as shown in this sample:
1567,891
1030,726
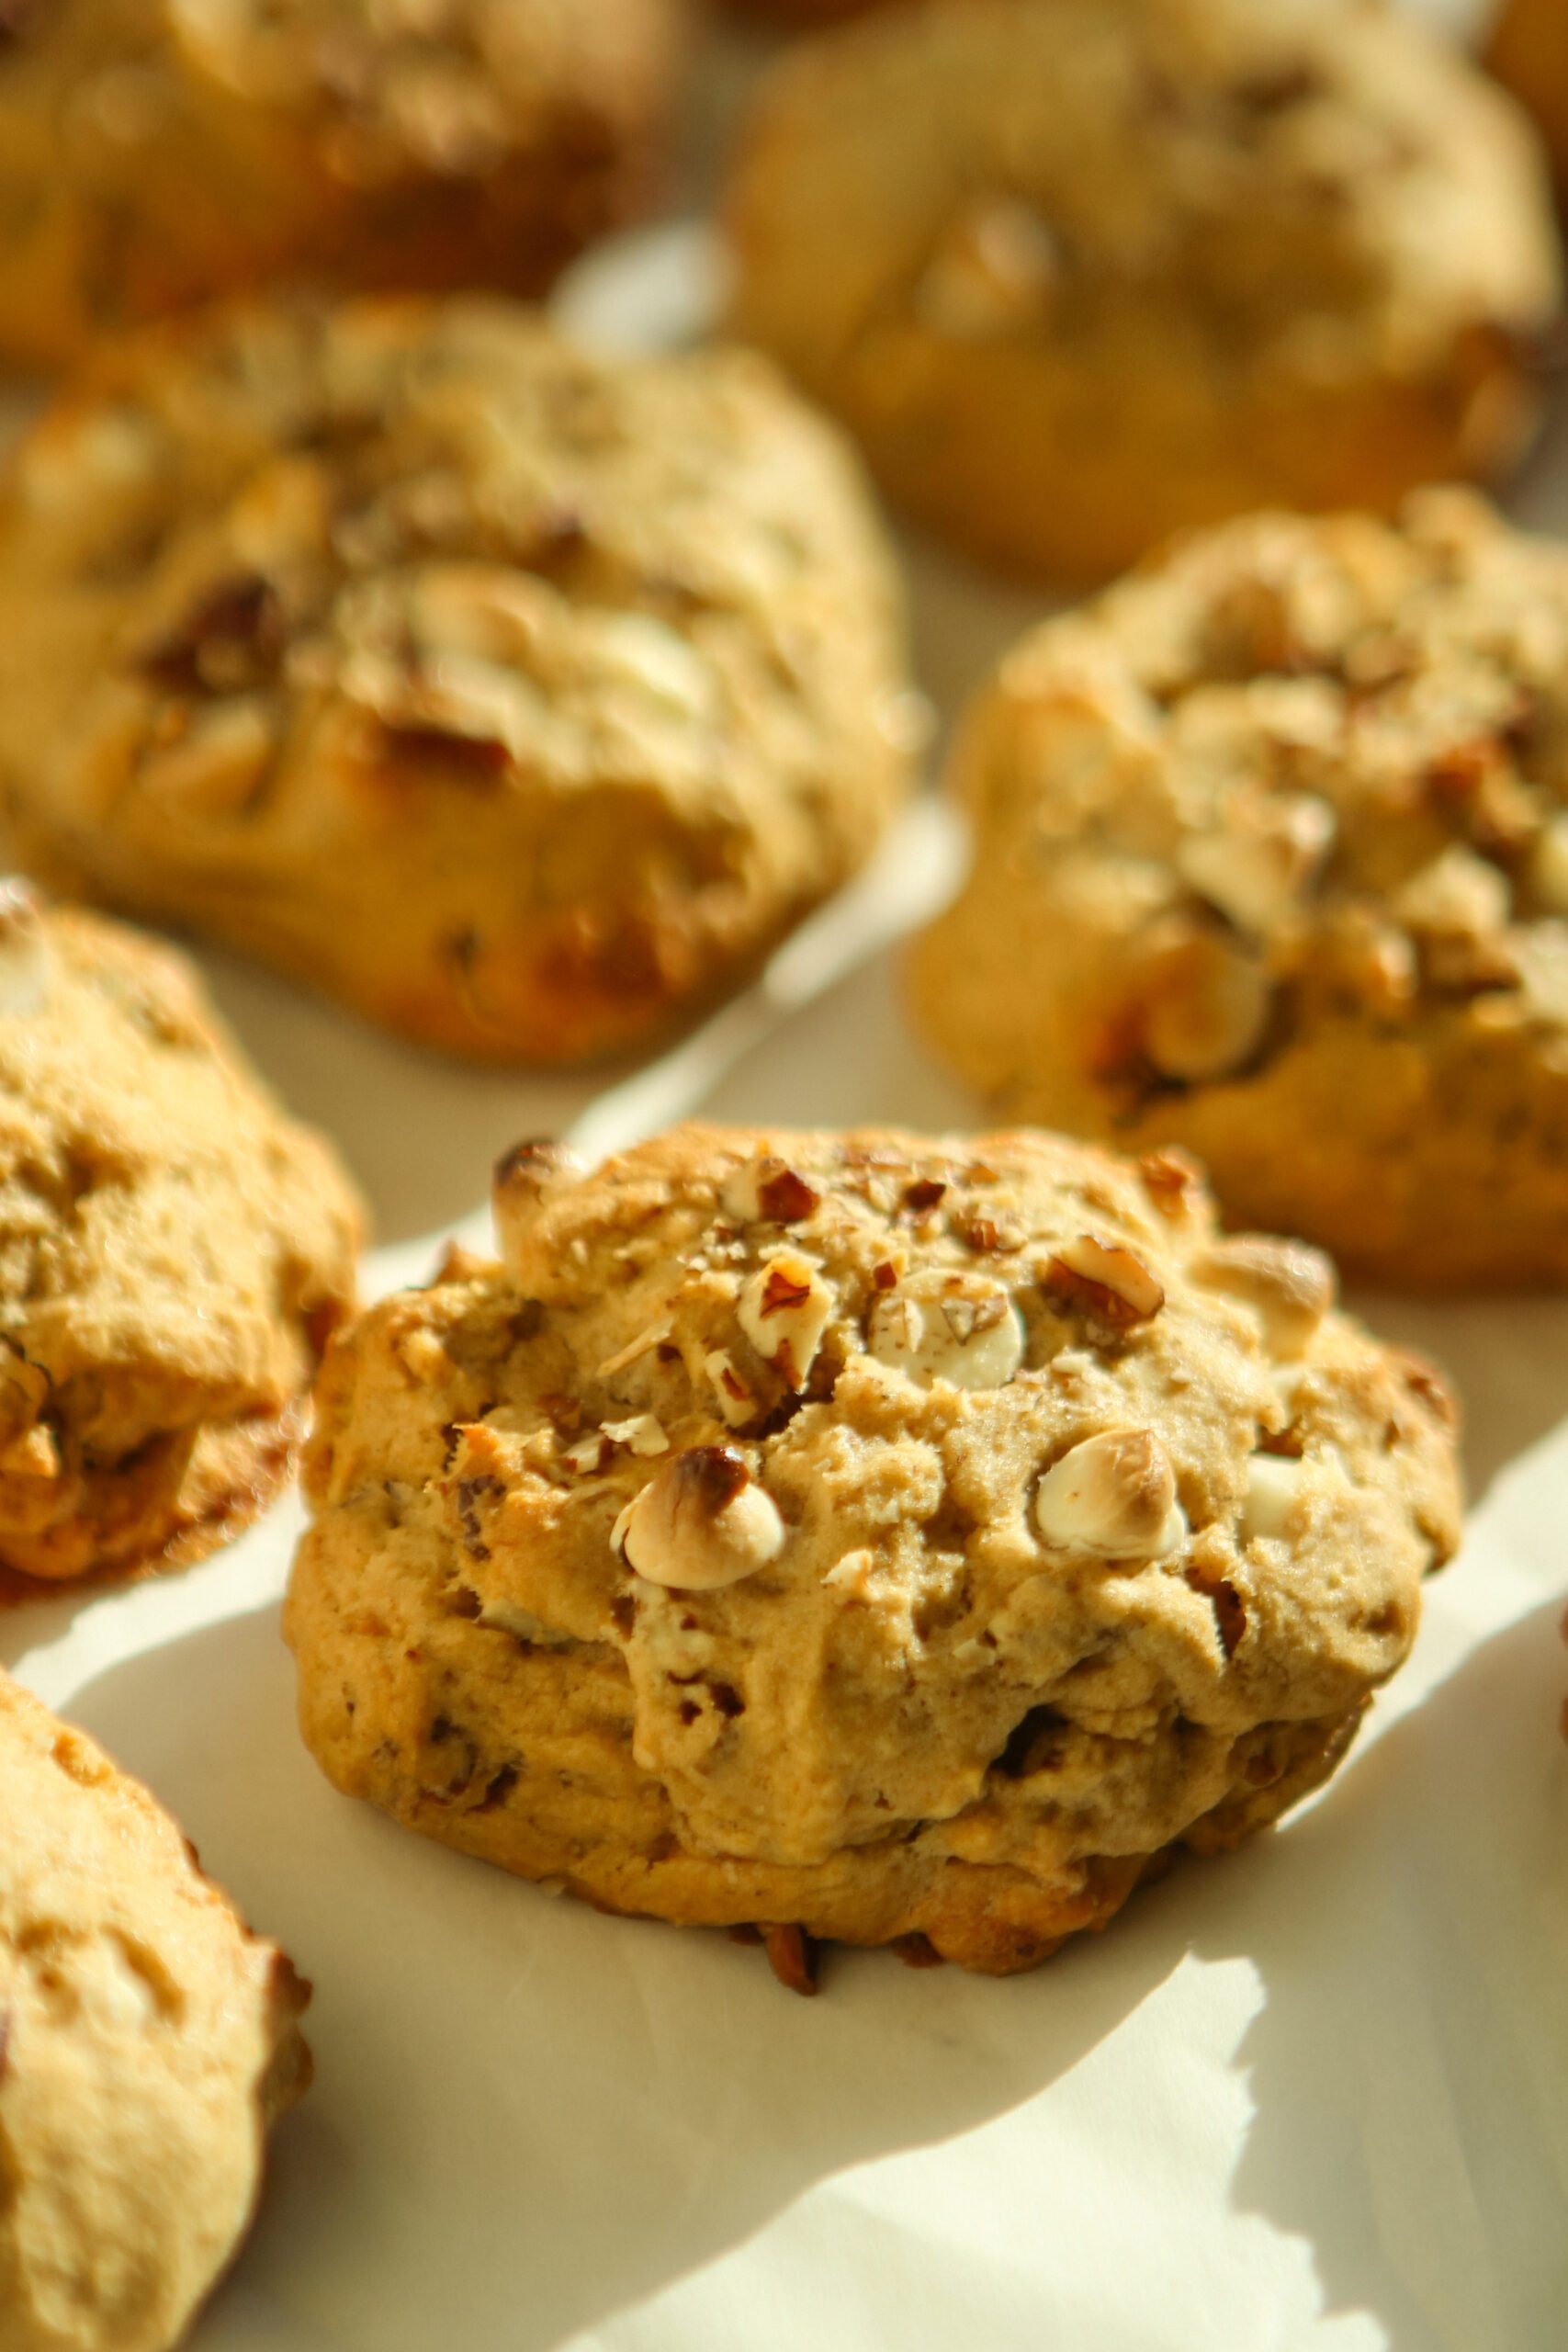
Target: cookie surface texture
879,1537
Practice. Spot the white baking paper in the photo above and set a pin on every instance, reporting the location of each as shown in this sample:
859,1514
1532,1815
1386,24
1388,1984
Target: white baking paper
1314,2095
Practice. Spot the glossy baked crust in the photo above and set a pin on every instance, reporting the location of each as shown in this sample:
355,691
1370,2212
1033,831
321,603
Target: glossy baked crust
1272,860
860,1535
521,697
148,2042
1530,55
156,153
1079,273
173,1252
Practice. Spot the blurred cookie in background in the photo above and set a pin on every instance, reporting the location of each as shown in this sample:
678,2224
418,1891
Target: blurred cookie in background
174,1253
148,2044
521,697
1079,274
154,153
1528,51
1271,861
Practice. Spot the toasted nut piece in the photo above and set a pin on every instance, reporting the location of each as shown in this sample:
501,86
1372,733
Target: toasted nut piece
784,1311
736,1402
1207,1001
1173,1180
522,1177
993,271
700,1523
1459,896
1258,866
24,951
1273,1487
767,1191
1114,1494
641,1434
1549,866
1106,1280
960,1327
1288,1286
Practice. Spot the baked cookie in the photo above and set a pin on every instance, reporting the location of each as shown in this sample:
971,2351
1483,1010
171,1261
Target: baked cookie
1530,55
154,153
859,1536
521,697
1271,861
148,2042
1079,273
173,1256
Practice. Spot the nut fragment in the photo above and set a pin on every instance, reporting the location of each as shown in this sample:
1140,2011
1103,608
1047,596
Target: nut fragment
768,1190
784,1311
1114,1494
1173,1180
736,1402
960,1327
1288,1286
702,1522
1105,1279
1273,1487
1206,1005
1549,866
1257,866
522,1177
641,1434
1458,907
993,271
24,951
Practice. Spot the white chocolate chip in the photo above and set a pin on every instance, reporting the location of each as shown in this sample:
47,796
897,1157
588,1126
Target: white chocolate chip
25,953
666,669
1114,1495
959,1327
702,1522
783,1310
1288,1286
1256,868
1273,1488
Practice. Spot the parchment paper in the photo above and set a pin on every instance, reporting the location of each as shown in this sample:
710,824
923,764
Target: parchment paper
1314,2095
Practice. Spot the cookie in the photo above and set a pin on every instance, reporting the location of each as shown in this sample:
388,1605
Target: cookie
1078,274
1529,55
521,697
174,1253
1271,861
148,2042
154,152
859,1536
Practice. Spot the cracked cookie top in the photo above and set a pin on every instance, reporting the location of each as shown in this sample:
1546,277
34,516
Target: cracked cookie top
1288,816
876,1462
521,695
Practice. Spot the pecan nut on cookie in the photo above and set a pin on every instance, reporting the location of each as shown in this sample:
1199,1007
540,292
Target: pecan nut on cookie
1272,860
154,153
173,1254
148,2042
1529,55
521,697
1079,274
858,1536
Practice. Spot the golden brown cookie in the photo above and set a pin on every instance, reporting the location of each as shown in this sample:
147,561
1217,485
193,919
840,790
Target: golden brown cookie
521,697
1530,55
174,1253
1272,860
1079,274
154,153
148,2042
860,1536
